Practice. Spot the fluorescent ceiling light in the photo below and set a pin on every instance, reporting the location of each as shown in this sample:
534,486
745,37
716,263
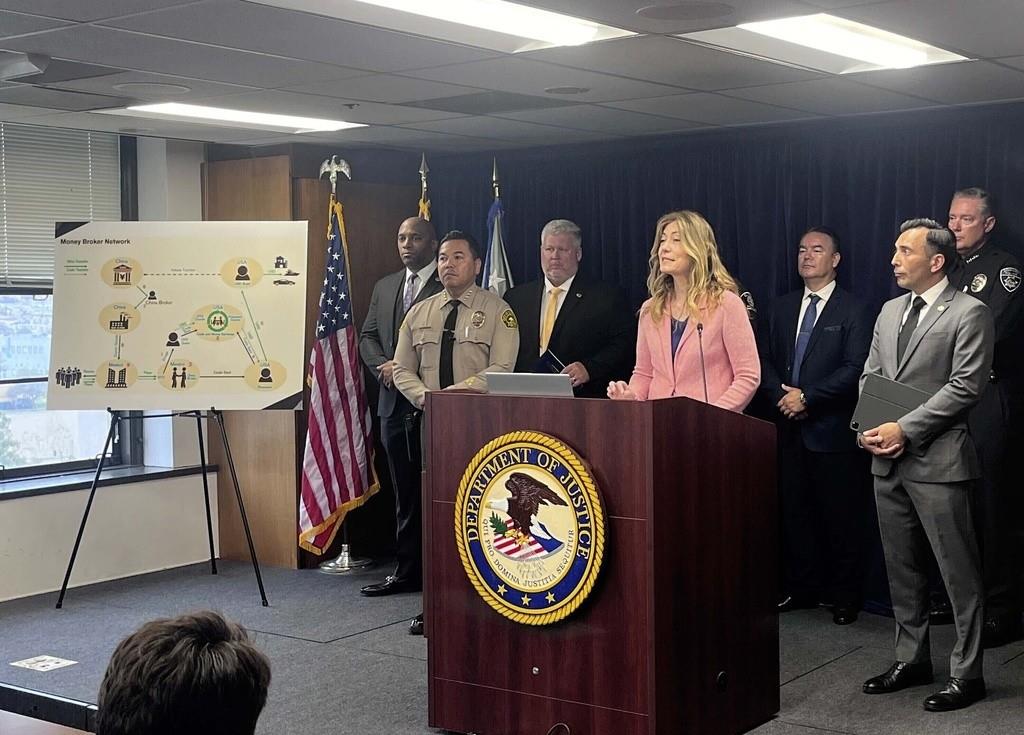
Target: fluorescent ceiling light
492,24
844,46
233,118
503,17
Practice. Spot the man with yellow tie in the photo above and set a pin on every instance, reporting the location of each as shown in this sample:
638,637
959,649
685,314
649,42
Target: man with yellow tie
569,323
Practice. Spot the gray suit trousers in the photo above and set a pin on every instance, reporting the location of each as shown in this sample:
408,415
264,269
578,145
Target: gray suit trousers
911,516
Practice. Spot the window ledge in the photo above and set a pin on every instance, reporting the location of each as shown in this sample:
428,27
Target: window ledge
47,485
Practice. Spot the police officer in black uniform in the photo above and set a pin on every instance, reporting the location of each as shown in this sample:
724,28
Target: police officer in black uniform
993,276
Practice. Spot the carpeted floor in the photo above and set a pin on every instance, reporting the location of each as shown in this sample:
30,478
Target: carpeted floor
347,660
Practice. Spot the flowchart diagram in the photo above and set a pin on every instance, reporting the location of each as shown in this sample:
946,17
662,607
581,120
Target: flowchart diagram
178,315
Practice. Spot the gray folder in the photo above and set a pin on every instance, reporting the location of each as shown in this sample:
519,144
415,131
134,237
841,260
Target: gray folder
883,400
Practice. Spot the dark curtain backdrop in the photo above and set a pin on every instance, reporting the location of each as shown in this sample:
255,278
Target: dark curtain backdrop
759,187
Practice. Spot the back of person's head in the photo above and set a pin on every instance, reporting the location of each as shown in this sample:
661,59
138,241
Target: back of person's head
197,674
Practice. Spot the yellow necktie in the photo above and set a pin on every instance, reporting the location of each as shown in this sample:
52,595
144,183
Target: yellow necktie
549,319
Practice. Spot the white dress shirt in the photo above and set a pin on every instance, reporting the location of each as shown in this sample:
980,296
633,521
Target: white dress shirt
546,298
824,293
930,297
423,275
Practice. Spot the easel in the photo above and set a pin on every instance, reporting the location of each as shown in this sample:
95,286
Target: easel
115,417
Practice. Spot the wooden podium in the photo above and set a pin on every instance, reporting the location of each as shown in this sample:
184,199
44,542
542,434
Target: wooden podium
680,635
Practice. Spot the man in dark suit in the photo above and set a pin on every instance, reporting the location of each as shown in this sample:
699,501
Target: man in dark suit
392,297
813,343
939,340
582,327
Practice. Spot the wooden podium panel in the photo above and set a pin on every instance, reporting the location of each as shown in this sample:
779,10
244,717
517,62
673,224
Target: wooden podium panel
680,633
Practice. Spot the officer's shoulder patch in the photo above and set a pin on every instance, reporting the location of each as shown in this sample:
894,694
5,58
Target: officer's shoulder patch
1010,278
508,318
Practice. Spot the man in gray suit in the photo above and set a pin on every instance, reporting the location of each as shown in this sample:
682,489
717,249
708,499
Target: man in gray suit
940,340
392,297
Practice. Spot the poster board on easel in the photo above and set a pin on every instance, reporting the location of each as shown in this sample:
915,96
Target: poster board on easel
178,315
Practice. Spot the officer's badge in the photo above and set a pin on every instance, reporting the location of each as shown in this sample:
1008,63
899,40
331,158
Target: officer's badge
978,282
1010,278
508,318
529,526
478,319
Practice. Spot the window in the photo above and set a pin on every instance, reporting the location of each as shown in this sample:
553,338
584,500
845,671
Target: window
46,175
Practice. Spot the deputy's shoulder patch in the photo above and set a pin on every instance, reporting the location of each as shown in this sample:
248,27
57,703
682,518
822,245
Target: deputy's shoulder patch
748,302
508,318
1010,278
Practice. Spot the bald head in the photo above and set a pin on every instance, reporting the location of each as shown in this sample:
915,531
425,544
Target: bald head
417,243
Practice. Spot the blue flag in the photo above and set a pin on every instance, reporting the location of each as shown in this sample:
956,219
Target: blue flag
497,277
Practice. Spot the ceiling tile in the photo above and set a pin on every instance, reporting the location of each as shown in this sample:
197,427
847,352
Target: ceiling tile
673,61
150,53
142,85
384,88
87,10
25,94
15,24
832,96
981,29
13,113
712,109
960,83
284,103
527,76
601,120
270,30
509,132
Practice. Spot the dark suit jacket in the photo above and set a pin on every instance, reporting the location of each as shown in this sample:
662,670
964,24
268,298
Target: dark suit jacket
831,367
379,336
594,327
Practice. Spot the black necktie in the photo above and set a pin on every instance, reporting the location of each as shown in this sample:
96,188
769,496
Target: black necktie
907,330
447,343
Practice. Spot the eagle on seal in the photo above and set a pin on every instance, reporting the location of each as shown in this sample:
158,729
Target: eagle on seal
527,496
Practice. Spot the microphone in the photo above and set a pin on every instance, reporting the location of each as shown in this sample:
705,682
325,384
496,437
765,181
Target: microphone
703,370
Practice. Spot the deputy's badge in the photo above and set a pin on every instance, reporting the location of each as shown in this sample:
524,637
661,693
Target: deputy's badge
1010,278
529,526
978,282
478,319
508,318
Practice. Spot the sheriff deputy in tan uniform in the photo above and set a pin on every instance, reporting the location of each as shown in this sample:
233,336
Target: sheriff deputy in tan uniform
456,336
453,338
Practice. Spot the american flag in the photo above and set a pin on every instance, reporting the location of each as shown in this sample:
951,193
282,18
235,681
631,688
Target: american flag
533,547
337,470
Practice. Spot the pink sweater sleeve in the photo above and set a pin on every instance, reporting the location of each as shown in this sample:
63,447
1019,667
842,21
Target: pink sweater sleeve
643,372
741,349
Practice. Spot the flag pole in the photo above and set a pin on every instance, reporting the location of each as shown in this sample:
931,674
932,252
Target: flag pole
345,561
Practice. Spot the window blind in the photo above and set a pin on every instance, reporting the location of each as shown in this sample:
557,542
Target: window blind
50,175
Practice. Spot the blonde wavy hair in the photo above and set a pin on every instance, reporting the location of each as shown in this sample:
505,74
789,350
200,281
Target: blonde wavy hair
709,279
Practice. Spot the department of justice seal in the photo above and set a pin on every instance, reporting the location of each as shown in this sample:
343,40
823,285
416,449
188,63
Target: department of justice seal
978,282
530,529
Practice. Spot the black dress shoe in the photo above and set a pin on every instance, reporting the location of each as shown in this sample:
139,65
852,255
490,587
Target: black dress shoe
795,602
900,676
416,625
844,614
957,694
941,613
390,586
998,631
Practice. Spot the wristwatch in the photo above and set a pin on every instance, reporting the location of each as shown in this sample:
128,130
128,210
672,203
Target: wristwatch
803,398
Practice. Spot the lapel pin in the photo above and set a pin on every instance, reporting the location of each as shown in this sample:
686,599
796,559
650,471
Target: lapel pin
941,307
579,295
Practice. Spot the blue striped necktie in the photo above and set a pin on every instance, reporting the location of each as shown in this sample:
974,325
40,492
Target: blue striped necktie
804,336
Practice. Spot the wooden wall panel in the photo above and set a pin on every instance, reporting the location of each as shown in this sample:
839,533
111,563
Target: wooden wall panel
262,442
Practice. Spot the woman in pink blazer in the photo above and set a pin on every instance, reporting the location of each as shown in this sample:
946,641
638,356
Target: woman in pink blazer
693,305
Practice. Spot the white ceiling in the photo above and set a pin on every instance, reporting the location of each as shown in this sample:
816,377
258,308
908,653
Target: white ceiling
248,55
